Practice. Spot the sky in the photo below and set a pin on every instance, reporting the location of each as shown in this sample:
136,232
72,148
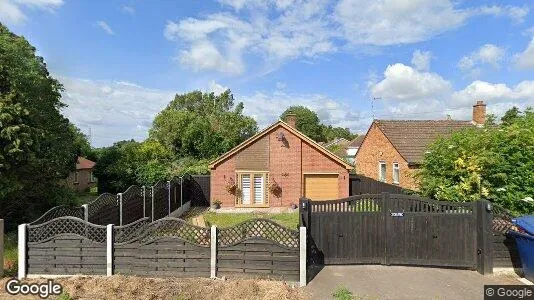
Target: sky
351,61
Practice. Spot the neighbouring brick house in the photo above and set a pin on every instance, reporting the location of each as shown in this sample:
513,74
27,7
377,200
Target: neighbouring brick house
82,179
275,167
393,150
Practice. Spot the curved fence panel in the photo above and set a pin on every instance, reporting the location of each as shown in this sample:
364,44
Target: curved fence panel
160,200
129,232
258,228
132,204
166,247
260,248
60,211
66,246
104,210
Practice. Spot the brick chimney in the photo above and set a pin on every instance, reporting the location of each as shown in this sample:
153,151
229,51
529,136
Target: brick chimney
291,120
479,113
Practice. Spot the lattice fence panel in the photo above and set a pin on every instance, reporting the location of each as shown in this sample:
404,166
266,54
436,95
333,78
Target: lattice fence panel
130,231
66,225
502,219
172,227
60,211
258,228
132,204
104,210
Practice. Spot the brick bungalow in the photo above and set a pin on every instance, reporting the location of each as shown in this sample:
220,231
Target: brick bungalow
275,167
82,179
393,150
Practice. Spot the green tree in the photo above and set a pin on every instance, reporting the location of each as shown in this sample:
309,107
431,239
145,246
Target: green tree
510,116
202,125
117,166
36,142
332,133
307,122
493,162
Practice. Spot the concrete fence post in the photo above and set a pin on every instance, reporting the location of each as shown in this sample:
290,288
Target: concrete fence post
119,195
144,201
181,191
303,254
22,251
213,261
169,196
85,212
109,250
1,248
152,189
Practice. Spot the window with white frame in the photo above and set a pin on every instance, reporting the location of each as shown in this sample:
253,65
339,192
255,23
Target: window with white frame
92,178
396,173
253,189
76,177
382,169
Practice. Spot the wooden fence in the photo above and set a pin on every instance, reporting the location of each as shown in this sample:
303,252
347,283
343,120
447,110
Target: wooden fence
1,248
359,184
165,247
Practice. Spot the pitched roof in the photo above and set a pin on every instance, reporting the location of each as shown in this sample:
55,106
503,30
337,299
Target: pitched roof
84,163
357,142
265,131
411,137
336,141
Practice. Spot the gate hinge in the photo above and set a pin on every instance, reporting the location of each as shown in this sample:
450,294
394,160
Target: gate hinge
479,251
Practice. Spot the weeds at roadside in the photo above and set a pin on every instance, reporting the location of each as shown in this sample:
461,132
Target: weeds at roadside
342,293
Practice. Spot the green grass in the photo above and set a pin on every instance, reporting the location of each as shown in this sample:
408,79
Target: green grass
289,220
85,197
10,254
342,293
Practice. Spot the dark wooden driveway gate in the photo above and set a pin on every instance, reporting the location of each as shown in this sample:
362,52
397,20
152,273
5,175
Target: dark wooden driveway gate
397,229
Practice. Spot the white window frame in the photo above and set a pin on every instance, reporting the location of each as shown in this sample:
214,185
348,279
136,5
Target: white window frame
75,176
92,177
396,168
382,177
252,201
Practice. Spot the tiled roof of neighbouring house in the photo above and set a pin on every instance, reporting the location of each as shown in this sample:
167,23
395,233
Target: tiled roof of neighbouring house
84,163
411,137
357,142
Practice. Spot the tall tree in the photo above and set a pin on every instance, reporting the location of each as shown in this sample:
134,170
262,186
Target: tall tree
510,116
36,142
202,125
307,122
332,133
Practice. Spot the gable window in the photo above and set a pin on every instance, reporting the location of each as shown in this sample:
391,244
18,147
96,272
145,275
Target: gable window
396,173
382,169
253,190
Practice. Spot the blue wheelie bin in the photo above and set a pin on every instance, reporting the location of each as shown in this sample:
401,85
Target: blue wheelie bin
525,244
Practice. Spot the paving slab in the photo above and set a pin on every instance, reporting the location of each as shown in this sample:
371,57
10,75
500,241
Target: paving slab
401,282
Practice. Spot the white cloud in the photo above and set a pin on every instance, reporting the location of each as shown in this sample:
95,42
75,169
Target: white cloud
114,110
219,41
266,108
421,60
405,84
11,11
488,54
279,30
407,93
214,87
105,27
525,60
128,9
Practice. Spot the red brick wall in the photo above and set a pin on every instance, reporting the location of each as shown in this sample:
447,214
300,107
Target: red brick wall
83,184
375,148
287,162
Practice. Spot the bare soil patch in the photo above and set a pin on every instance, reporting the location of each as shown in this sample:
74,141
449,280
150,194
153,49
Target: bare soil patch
132,287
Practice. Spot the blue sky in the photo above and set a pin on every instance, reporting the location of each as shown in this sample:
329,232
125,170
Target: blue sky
122,61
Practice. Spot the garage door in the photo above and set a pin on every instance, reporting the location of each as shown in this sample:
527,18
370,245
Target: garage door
321,186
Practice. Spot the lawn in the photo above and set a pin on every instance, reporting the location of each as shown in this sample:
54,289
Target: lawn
290,220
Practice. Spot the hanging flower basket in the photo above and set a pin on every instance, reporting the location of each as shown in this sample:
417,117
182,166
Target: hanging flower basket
275,189
231,187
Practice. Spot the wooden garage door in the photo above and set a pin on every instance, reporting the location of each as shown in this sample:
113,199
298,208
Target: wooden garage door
321,186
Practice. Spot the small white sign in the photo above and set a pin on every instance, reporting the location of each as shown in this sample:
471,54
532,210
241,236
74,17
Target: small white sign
397,214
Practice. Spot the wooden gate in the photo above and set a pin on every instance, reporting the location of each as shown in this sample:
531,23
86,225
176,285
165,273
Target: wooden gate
392,229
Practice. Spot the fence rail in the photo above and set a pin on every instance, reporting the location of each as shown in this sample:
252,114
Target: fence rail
165,247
